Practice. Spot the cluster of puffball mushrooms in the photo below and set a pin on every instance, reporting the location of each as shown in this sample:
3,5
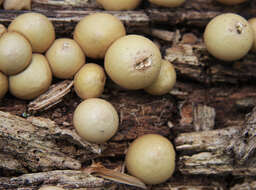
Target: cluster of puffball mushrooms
30,55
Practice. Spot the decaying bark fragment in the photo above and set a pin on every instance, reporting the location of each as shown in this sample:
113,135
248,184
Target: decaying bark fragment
219,151
52,97
203,117
33,143
68,179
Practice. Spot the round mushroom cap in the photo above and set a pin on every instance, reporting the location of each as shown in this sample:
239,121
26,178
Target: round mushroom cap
228,37
167,3
95,120
133,62
90,81
119,5
65,58
151,158
37,28
96,32
165,80
33,81
15,53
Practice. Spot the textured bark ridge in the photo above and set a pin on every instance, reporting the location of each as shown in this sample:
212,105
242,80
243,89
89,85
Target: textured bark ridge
209,115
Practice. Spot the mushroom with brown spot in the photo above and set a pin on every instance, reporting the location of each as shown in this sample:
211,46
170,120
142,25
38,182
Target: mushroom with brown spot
133,62
228,37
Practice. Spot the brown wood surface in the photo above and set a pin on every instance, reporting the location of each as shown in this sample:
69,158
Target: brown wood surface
209,115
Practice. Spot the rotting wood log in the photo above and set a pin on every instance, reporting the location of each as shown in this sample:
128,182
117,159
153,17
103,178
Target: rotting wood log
223,151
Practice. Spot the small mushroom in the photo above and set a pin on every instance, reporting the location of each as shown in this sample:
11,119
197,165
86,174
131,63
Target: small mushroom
17,5
151,158
228,37
95,120
37,28
33,81
96,32
15,53
65,58
90,81
165,80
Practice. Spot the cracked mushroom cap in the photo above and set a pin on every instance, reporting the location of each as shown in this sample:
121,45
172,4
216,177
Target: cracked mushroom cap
133,62
119,5
228,37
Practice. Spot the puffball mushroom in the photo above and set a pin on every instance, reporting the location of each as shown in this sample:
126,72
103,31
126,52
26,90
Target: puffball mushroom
119,5
50,188
96,32
2,29
37,28
167,3
65,58
252,22
228,37
3,85
95,120
231,2
15,53
33,81
17,4
90,81
151,158
165,81
133,62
